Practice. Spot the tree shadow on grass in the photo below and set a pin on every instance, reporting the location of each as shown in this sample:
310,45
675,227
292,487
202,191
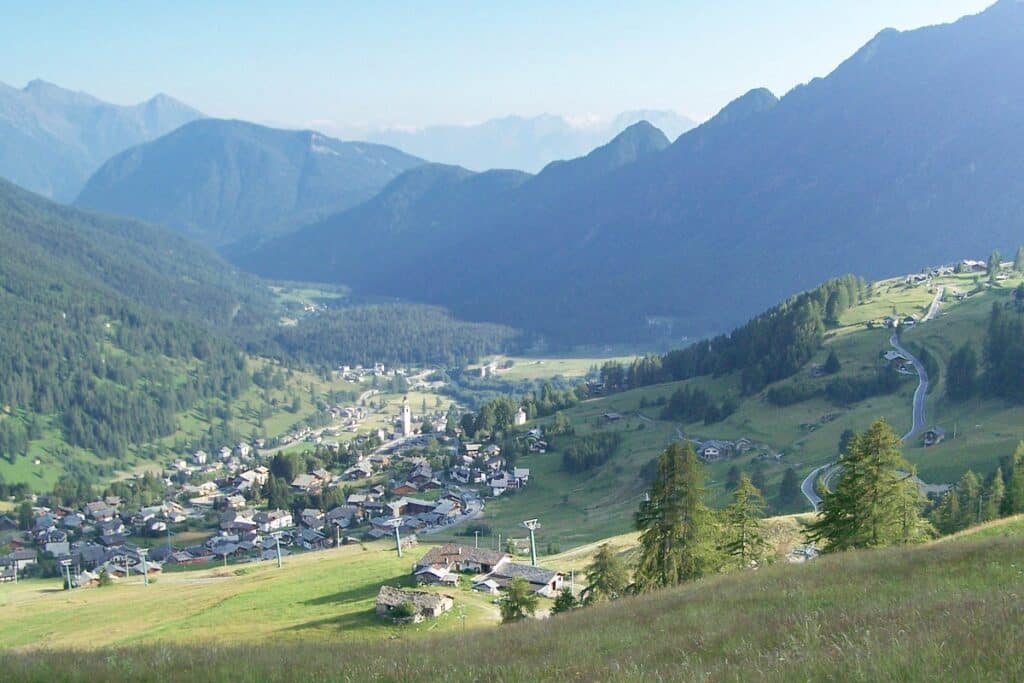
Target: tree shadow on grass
361,592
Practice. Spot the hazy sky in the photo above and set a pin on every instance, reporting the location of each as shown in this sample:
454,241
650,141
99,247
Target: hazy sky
395,62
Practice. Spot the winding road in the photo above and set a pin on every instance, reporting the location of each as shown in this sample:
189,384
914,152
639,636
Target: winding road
917,424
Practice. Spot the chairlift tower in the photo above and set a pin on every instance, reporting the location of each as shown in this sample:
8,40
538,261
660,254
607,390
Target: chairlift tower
66,564
532,525
397,524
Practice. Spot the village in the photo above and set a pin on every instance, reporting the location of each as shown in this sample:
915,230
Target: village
410,481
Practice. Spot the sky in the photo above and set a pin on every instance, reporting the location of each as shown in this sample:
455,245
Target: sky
420,63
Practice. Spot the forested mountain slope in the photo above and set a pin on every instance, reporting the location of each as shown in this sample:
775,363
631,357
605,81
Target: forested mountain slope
52,139
224,181
109,325
909,153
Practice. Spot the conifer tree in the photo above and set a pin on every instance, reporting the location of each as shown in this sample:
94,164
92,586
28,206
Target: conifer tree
606,577
789,489
832,364
969,490
994,493
1018,262
565,602
518,602
1013,498
876,502
676,528
744,538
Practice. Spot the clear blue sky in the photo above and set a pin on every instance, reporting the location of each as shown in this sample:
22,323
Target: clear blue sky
417,63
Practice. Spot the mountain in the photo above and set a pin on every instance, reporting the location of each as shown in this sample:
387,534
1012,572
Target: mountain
224,181
416,226
52,139
908,154
524,143
111,327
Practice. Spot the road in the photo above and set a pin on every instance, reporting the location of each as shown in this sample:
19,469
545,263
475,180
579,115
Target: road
918,421
933,310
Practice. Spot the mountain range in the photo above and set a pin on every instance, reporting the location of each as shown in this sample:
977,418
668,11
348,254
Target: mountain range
906,155
514,142
52,139
221,181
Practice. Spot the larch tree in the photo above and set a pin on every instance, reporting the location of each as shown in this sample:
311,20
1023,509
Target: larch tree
676,528
744,537
518,602
876,503
606,576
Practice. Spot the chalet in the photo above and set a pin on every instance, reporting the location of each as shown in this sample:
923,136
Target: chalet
611,417
307,483
520,476
460,558
273,520
436,576
312,540
545,582
360,470
424,604
343,516
461,474
311,518
471,449
405,489
21,559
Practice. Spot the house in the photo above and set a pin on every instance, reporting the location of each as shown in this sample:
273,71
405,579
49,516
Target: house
545,582
273,520
424,604
405,489
311,539
489,586
360,470
308,483
200,457
436,576
461,558
933,436
21,559
520,418
611,417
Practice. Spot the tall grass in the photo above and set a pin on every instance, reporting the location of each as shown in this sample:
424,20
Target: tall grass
944,612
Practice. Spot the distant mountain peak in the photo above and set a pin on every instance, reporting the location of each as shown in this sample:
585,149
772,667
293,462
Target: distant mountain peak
749,104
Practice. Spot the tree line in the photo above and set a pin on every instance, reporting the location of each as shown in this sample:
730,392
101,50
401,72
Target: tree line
772,346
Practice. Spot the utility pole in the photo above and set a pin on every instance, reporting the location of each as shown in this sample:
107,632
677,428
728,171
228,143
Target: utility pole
277,540
145,567
476,538
532,525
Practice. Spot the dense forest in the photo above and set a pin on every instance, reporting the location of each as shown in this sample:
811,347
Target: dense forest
1001,371
391,333
107,325
772,346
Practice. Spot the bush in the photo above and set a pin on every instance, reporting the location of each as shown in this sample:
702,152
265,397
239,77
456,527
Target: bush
404,611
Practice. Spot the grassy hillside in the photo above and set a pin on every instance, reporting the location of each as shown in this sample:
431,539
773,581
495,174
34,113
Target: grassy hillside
320,597
865,616
582,508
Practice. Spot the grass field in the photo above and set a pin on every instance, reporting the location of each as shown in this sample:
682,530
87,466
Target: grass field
326,596
534,368
946,611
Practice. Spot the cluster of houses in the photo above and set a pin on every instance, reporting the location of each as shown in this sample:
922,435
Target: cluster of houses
490,571
484,465
715,450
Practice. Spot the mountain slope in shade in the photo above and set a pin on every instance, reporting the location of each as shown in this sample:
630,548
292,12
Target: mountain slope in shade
524,143
52,139
424,219
224,181
908,154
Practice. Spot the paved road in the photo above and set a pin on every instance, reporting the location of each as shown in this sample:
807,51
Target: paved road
933,310
808,486
918,422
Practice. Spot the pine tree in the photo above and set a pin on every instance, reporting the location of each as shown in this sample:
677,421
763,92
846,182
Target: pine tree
518,602
1013,498
876,502
744,539
676,529
1018,263
832,364
732,478
948,516
993,263
789,490
962,374
969,492
606,577
994,493
565,602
